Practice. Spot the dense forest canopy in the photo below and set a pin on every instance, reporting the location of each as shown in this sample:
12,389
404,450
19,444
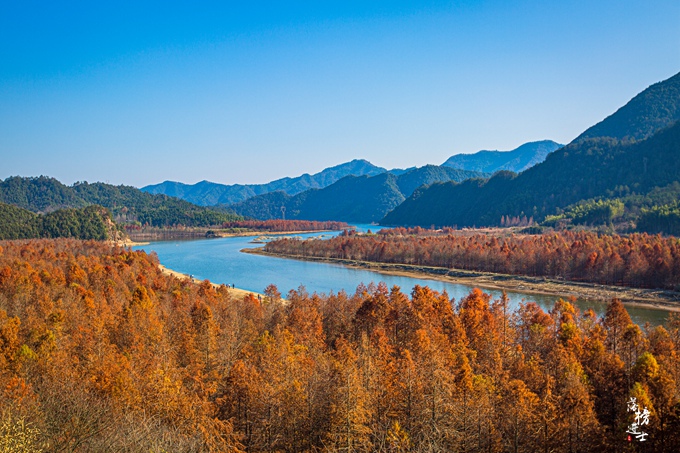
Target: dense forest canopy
655,108
101,351
92,222
637,260
127,204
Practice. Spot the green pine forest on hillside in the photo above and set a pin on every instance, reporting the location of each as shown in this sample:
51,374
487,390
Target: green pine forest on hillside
624,170
645,114
91,222
43,207
127,204
589,169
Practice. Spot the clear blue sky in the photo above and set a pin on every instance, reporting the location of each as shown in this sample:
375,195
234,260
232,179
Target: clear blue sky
137,94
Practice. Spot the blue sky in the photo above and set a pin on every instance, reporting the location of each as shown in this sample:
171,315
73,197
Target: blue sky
140,92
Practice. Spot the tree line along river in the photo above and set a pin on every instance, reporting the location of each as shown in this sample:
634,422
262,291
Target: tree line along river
220,261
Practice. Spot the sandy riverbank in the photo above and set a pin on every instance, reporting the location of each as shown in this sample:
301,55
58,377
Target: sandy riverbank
270,233
144,237
237,292
147,239
129,243
657,299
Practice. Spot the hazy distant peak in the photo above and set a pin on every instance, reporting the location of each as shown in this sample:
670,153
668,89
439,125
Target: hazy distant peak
401,171
206,193
517,160
356,198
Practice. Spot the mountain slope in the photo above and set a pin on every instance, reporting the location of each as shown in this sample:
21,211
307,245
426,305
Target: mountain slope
582,170
655,108
586,168
127,203
264,207
207,193
517,160
362,199
408,182
352,199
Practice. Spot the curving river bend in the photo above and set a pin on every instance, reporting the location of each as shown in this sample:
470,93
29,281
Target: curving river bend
220,261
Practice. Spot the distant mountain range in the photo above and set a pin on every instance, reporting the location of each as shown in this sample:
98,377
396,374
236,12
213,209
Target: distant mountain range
353,198
632,153
207,193
629,162
517,160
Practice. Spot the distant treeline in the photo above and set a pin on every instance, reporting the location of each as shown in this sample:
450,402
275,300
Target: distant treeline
286,225
92,222
127,204
637,260
661,219
654,212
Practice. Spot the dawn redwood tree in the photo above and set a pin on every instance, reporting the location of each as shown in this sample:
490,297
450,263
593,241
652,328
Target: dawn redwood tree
350,413
615,322
100,350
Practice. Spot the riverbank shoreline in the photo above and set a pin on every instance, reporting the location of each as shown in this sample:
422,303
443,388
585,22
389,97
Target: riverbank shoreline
654,299
238,292
129,242
144,237
272,233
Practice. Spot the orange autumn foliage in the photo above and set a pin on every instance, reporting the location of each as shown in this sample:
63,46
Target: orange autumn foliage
638,260
99,351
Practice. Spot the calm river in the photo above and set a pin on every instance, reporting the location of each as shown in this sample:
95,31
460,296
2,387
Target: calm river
220,261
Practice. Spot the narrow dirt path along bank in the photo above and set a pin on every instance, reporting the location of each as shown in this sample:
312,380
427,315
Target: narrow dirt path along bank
659,299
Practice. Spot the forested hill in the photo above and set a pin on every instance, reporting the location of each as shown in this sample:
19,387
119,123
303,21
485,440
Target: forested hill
207,193
655,108
92,222
601,167
598,167
408,182
352,199
128,204
517,160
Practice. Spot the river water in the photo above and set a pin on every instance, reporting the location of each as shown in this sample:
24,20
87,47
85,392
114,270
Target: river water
220,261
